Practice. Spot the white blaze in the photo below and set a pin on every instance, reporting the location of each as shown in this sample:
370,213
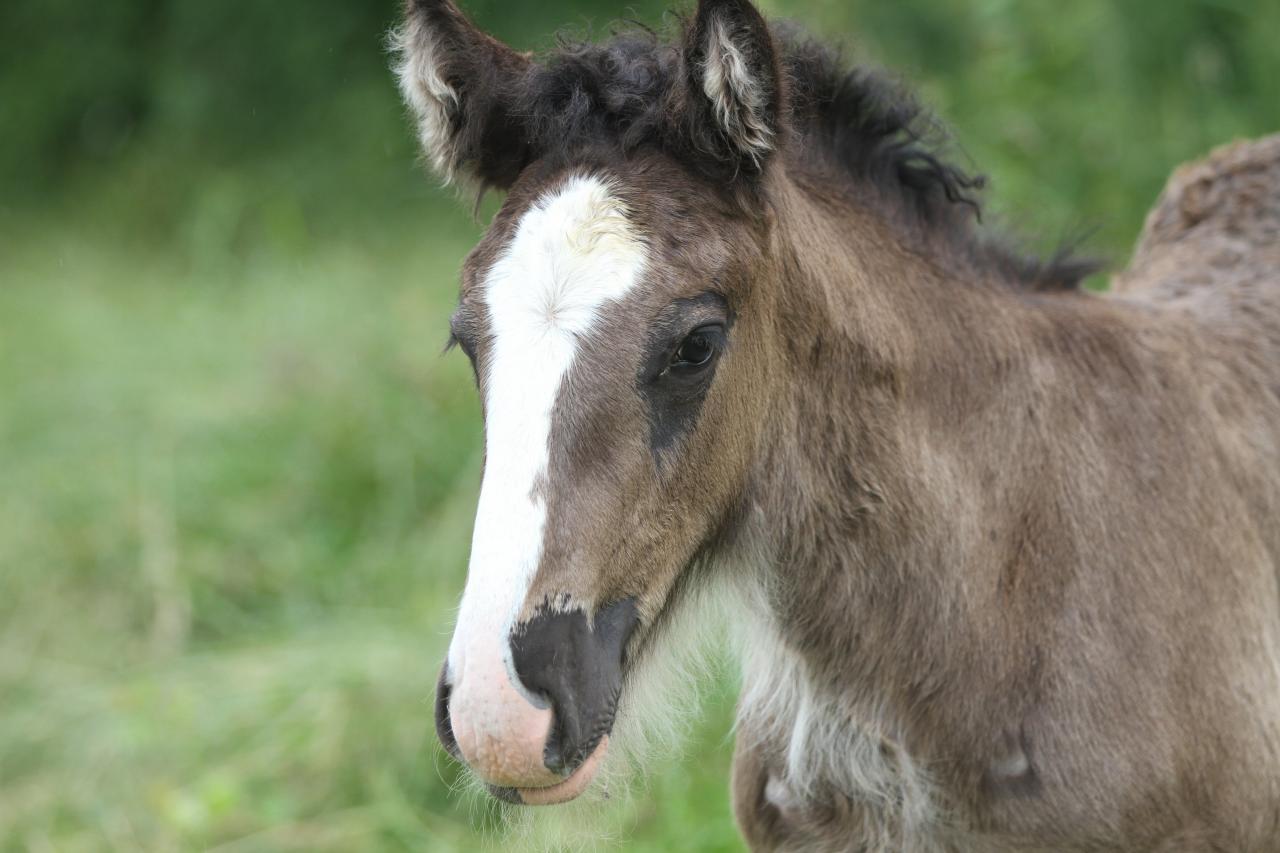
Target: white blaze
573,252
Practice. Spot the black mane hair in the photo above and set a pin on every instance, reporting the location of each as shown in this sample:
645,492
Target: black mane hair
629,93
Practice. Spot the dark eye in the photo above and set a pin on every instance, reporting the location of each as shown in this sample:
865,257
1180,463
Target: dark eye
698,348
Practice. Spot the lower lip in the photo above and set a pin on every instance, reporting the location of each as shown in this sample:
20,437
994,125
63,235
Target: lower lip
570,788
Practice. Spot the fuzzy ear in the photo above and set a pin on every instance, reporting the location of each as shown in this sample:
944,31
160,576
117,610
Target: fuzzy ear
732,66
459,82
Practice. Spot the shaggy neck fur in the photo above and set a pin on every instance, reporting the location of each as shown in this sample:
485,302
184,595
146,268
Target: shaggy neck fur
887,569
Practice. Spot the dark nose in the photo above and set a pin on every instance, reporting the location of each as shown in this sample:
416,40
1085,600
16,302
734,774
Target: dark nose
578,669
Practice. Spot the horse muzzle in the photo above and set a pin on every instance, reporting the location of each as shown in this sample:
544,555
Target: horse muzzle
531,713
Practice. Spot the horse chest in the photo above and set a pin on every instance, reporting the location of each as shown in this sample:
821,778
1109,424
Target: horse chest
826,779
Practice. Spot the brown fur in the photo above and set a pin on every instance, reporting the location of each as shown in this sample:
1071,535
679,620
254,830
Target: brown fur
1024,543
1053,518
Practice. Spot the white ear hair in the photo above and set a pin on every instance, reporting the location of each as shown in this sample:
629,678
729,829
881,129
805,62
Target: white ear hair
458,83
434,103
740,100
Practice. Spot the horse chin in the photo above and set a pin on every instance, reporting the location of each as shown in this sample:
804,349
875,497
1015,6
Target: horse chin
562,792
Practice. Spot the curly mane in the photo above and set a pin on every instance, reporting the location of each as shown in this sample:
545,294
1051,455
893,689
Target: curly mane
623,94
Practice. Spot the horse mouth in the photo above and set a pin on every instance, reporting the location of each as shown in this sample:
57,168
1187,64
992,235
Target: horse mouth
570,788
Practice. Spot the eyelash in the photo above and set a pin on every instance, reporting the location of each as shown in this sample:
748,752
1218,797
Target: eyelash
457,335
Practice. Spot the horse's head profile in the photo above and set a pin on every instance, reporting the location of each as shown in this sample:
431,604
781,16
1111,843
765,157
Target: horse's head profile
620,334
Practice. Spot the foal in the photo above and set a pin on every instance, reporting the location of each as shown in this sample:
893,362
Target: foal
1003,553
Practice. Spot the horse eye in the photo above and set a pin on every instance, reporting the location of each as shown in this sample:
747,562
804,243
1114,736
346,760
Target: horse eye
697,349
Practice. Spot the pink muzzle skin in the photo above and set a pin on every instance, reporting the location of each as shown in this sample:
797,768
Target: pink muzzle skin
570,788
502,735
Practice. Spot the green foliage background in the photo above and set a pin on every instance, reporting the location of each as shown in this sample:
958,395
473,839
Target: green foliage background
237,476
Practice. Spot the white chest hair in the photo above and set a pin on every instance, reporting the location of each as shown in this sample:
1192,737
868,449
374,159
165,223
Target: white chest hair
828,748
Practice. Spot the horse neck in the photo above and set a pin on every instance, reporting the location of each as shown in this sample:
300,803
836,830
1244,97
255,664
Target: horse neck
906,398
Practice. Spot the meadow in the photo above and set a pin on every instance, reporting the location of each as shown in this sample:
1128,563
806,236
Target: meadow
238,472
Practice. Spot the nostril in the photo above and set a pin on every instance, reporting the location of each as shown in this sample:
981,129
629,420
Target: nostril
553,754
577,666
444,726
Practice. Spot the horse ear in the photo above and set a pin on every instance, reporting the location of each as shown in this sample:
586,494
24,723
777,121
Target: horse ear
732,66
460,83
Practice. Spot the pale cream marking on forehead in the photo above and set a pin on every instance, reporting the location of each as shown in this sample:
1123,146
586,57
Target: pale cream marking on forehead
572,253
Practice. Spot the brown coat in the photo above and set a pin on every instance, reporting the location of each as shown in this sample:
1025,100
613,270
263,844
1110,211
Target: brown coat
1056,592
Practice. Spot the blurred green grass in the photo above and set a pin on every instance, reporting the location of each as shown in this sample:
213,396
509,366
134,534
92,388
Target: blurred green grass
239,476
